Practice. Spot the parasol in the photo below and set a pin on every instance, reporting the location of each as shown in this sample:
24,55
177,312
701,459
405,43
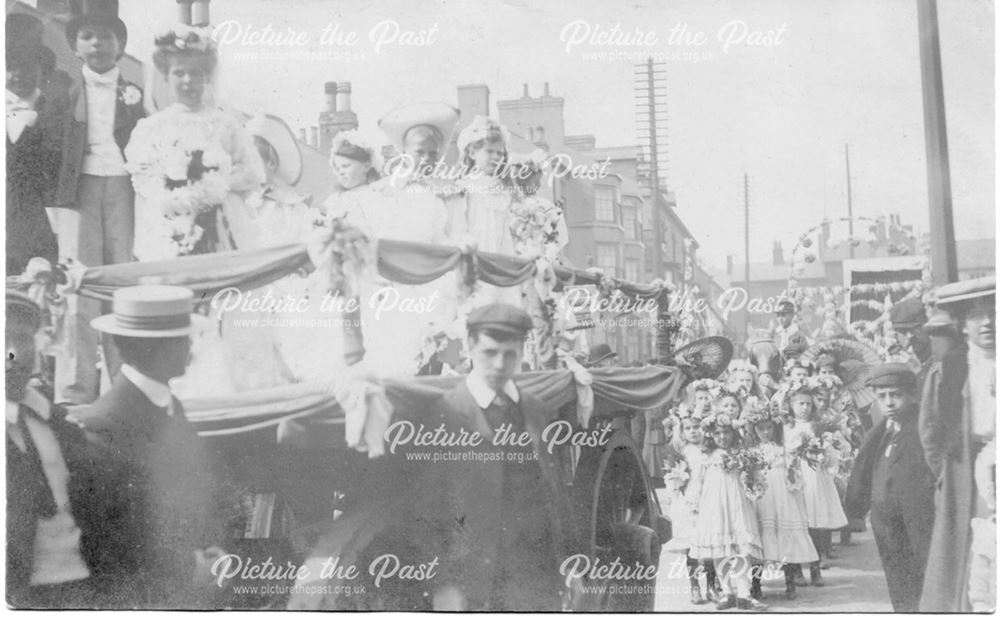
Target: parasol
855,360
705,358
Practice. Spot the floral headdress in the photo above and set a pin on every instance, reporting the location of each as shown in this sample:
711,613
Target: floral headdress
742,366
706,385
717,420
826,382
825,358
683,411
757,411
183,37
482,127
798,363
722,389
347,143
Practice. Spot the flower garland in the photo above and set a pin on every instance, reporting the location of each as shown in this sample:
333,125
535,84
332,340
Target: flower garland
184,37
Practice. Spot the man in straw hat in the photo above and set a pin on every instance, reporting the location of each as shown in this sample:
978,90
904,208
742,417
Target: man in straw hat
959,422
169,489
891,480
59,493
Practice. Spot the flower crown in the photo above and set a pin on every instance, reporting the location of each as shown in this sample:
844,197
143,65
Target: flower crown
798,363
826,358
742,366
707,385
480,128
717,420
722,389
683,411
757,411
187,38
826,382
356,139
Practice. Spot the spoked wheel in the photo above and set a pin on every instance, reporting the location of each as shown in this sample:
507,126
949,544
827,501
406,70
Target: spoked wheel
615,508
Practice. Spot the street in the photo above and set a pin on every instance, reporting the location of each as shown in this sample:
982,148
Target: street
854,583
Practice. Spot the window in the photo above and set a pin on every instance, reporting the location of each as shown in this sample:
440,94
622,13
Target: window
629,222
632,270
607,258
604,204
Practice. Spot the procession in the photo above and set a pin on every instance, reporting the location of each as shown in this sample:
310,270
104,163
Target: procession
439,354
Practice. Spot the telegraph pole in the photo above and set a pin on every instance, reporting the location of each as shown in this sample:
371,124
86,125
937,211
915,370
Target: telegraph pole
746,250
944,265
850,204
650,109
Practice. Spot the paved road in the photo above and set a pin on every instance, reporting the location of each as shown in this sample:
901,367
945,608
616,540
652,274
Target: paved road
854,583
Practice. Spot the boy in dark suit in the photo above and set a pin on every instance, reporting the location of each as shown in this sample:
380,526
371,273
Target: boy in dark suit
59,499
98,223
892,480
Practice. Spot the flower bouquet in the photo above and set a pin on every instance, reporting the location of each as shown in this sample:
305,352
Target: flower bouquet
752,470
535,225
677,476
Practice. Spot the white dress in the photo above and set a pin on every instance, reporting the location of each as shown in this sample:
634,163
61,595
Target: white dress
398,319
784,528
823,509
682,518
727,520
148,150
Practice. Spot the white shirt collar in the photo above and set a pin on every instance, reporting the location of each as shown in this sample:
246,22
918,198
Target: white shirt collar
484,394
157,393
33,399
28,102
90,77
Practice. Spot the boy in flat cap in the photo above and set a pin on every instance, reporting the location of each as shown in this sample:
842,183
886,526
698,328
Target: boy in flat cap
891,479
504,541
958,422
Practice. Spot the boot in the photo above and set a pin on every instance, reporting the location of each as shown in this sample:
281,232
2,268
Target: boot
726,603
816,578
696,593
789,582
713,589
749,604
798,576
755,591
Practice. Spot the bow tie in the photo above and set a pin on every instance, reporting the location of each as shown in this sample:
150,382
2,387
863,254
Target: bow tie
97,80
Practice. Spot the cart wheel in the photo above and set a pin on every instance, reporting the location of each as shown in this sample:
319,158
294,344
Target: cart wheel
616,510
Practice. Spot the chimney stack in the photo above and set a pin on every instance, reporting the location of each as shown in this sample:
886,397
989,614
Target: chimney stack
199,13
526,91
344,96
546,88
184,12
778,253
330,96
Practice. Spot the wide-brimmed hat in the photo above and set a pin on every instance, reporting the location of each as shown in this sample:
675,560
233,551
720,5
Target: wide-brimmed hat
89,12
397,122
705,358
152,311
954,293
276,132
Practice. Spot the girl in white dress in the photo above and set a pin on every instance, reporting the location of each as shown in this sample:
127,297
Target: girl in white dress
190,162
684,456
397,320
781,512
727,530
823,509
481,212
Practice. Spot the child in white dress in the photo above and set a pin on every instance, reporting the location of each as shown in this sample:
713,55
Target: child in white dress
823,507
727,530
781,512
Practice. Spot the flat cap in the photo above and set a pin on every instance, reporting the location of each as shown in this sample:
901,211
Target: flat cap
892,375
22,309
909,313
499,316
966,290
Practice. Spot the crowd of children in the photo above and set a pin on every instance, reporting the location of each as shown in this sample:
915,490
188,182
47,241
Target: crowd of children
755,476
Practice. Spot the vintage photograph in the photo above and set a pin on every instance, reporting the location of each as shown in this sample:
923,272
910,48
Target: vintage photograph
501,305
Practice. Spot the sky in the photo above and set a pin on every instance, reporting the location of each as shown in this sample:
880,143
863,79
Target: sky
833,73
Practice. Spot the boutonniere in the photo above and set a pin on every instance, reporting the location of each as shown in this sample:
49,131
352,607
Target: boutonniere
130,95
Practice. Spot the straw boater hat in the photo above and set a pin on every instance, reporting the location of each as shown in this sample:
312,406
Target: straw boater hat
152,311
397,122
956,295
88,12
275,131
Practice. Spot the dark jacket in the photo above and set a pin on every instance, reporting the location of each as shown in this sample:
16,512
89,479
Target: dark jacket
911,477
92,492
168,500
32,169
74,134
947,434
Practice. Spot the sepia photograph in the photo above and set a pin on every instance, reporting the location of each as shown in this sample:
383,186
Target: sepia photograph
501,306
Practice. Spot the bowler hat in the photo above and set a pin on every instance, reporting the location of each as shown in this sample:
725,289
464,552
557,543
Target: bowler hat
499,316
151,311
600,352
909,313
892,375
22,309
91,12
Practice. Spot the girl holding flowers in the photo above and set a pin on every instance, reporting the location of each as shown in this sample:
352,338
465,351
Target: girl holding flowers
814,446
722,494
781,512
